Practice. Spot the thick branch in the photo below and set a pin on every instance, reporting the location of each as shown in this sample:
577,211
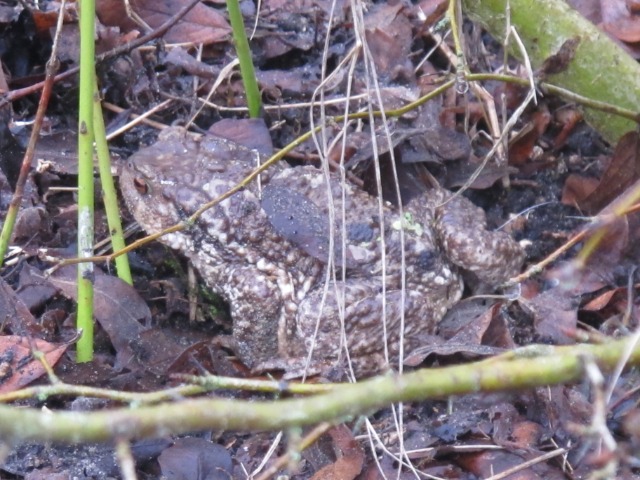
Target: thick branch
600,69
528,367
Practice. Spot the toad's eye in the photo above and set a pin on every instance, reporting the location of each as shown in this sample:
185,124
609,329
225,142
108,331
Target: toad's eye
141,185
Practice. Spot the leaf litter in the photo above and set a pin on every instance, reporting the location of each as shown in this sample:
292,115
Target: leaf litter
559,169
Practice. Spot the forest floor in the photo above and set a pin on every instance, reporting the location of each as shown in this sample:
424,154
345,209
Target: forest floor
551,172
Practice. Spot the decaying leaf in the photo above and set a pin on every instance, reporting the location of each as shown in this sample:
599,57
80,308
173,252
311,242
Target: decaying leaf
350,457
18,366
202,24
623,170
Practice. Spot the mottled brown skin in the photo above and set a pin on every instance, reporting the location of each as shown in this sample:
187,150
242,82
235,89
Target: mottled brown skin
267,249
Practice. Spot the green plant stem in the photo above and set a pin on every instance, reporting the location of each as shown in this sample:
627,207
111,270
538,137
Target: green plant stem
534,366
85,181
254,102
109,196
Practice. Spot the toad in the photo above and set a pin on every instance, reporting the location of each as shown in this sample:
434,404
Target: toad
316,271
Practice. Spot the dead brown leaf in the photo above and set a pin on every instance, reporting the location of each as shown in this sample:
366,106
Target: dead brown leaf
622,172
590,9
278,84
520,151
613,305
293,25
526,434
195,459
568,118
388,32
18,367
433,10
620,21
491,462
617,18
250,132
33,289
472,329
202,24
350,457
46,20
123,315
57,152
15,314
601,301
117,306
577,188
555,314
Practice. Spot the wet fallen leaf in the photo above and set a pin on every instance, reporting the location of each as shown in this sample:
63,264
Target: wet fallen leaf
123,315
180,57
57,152
613,305
469,321
568,118
521,150
45,21
463,420
15,315
436,143
555,314
491,462
18,367
292,25
295,82
33,289
561,406
117,306
388,33
250,132
207,355
620,22
350,457
623,170
490,174
433,10
195,459
577,188
590,9
202,24
471,329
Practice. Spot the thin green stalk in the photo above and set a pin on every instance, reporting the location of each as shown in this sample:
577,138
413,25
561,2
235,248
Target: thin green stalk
85,180
252,91
109,195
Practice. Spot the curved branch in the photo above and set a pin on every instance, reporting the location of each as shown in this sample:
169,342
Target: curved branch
532,366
